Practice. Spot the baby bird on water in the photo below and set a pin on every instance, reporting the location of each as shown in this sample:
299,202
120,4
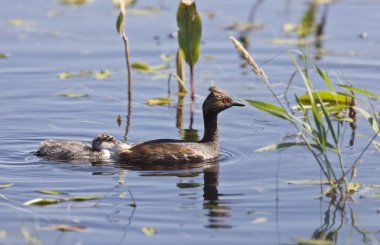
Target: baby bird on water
70,150
180,151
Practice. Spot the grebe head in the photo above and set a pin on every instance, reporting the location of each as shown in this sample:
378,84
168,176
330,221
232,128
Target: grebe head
217,101
103,142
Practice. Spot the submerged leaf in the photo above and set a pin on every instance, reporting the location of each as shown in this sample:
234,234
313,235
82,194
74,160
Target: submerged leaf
43,201
148,230
269,108
52,192
189,31
73,95
158,101
2,186
64,228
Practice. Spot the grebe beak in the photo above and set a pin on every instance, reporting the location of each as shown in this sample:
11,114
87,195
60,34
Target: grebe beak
237,104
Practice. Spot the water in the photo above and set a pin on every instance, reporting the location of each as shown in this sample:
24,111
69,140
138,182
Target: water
244,199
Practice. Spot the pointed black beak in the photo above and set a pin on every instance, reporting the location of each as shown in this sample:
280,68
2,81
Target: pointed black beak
237,104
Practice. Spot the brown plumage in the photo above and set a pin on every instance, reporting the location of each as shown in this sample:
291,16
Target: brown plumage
180,151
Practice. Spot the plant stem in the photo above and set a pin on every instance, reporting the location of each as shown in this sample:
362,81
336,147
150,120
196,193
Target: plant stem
192,82
126,45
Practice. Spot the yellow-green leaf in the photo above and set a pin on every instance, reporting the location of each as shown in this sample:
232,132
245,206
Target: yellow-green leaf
75,2
65,228
189,30
158,101
329,97
73,95
102,74
66,75
2,186
360,91
43,201
141,67
148,230
302,241
352,187
52,192
269,108
120,23
82,198
308,182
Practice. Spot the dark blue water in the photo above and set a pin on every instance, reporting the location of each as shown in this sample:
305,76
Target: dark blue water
245,198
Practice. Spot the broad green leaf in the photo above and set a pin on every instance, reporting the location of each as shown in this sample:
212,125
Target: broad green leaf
73,95
269,108
120,24
190,31
148,230
3,56
308,182
43,201
75,2
102,74
2,186
158,101
308,21
52,192
82,198
245,26
329,97
65,228
360,91
302,241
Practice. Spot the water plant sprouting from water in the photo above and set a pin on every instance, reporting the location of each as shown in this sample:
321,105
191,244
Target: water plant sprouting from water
318,131
189,36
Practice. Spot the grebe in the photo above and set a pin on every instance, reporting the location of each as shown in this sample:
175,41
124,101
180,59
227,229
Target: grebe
180,151
70,150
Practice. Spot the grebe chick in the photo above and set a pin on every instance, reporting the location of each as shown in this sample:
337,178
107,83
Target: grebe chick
70,150
180,151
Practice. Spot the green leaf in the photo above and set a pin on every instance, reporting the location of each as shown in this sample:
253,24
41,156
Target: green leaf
148,230
3,56
308,21
52,192
158,101
325,77
269,108
2,186
82,198
43,201
120,24
302,241
360,91
190,31
141,67
102,74
329,98
73,95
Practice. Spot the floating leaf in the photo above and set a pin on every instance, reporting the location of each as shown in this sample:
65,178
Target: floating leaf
329,97
269,108
352,187
148,230
158,101
141,67
288,41
75,2
82,198
102,74
20,22
288,27
2,186
65,228
43,201
308,182
52,192
3,56
259,220
66,75
166,57
245,26
72,95
302,241
189,31
119,120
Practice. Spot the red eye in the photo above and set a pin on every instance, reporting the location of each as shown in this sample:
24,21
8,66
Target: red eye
225,100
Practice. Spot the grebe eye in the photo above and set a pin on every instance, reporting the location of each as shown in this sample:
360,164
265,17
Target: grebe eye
225,100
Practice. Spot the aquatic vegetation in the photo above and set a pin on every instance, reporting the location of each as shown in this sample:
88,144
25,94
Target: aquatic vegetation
318,132
189,36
